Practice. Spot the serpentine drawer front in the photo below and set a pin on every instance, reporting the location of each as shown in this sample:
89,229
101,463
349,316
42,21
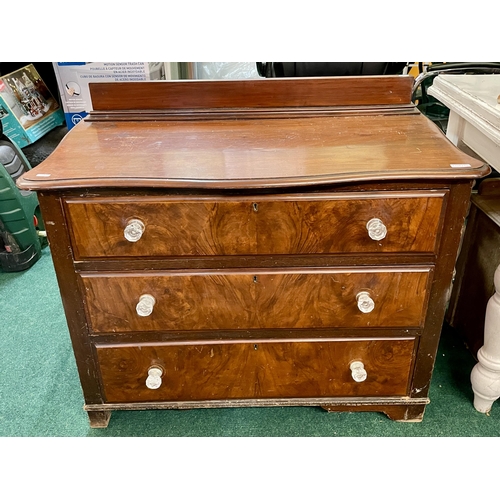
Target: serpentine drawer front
312,224
255,243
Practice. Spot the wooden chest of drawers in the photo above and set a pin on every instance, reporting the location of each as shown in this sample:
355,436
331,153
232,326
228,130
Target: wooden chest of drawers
268,242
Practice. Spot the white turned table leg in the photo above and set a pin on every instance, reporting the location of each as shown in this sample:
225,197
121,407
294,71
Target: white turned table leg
485,376
455,128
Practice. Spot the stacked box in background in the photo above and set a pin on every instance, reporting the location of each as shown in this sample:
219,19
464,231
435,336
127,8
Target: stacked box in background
27,108
73,80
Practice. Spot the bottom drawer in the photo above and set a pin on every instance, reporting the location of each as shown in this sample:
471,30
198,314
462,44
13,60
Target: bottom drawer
250,370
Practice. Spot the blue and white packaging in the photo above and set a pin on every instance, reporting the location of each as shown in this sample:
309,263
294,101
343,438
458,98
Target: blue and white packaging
73,80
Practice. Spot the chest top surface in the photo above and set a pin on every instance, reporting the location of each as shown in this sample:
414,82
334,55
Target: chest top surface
297,137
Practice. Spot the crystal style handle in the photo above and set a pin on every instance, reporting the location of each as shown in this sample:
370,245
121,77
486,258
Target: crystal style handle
154,377
358,371
365,302
376,229
134,230
145,305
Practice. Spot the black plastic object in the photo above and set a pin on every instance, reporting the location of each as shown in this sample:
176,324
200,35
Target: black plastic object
303,69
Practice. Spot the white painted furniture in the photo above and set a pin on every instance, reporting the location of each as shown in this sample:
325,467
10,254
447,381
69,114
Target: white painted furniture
475,121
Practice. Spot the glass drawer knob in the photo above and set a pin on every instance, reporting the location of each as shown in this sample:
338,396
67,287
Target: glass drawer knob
154,377
365,302
145,305
376,229
134,230
358,371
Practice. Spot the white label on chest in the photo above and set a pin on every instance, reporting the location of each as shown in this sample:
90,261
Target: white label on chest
460,165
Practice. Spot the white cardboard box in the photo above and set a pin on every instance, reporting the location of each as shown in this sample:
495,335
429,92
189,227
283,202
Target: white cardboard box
73,80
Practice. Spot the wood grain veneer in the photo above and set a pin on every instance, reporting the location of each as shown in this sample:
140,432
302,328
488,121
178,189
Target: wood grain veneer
258,225
322,298
261,370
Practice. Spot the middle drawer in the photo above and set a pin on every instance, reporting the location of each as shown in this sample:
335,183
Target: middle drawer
233,300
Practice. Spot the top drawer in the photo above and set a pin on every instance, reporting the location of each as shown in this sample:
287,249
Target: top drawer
148,226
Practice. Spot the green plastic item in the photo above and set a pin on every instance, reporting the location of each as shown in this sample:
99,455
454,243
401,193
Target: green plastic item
20,218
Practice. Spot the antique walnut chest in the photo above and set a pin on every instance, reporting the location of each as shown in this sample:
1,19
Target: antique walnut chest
255,242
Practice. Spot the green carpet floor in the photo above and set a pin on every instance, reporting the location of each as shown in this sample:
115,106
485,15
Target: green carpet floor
40,394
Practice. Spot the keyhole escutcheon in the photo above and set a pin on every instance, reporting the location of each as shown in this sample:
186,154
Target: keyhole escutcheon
255,207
